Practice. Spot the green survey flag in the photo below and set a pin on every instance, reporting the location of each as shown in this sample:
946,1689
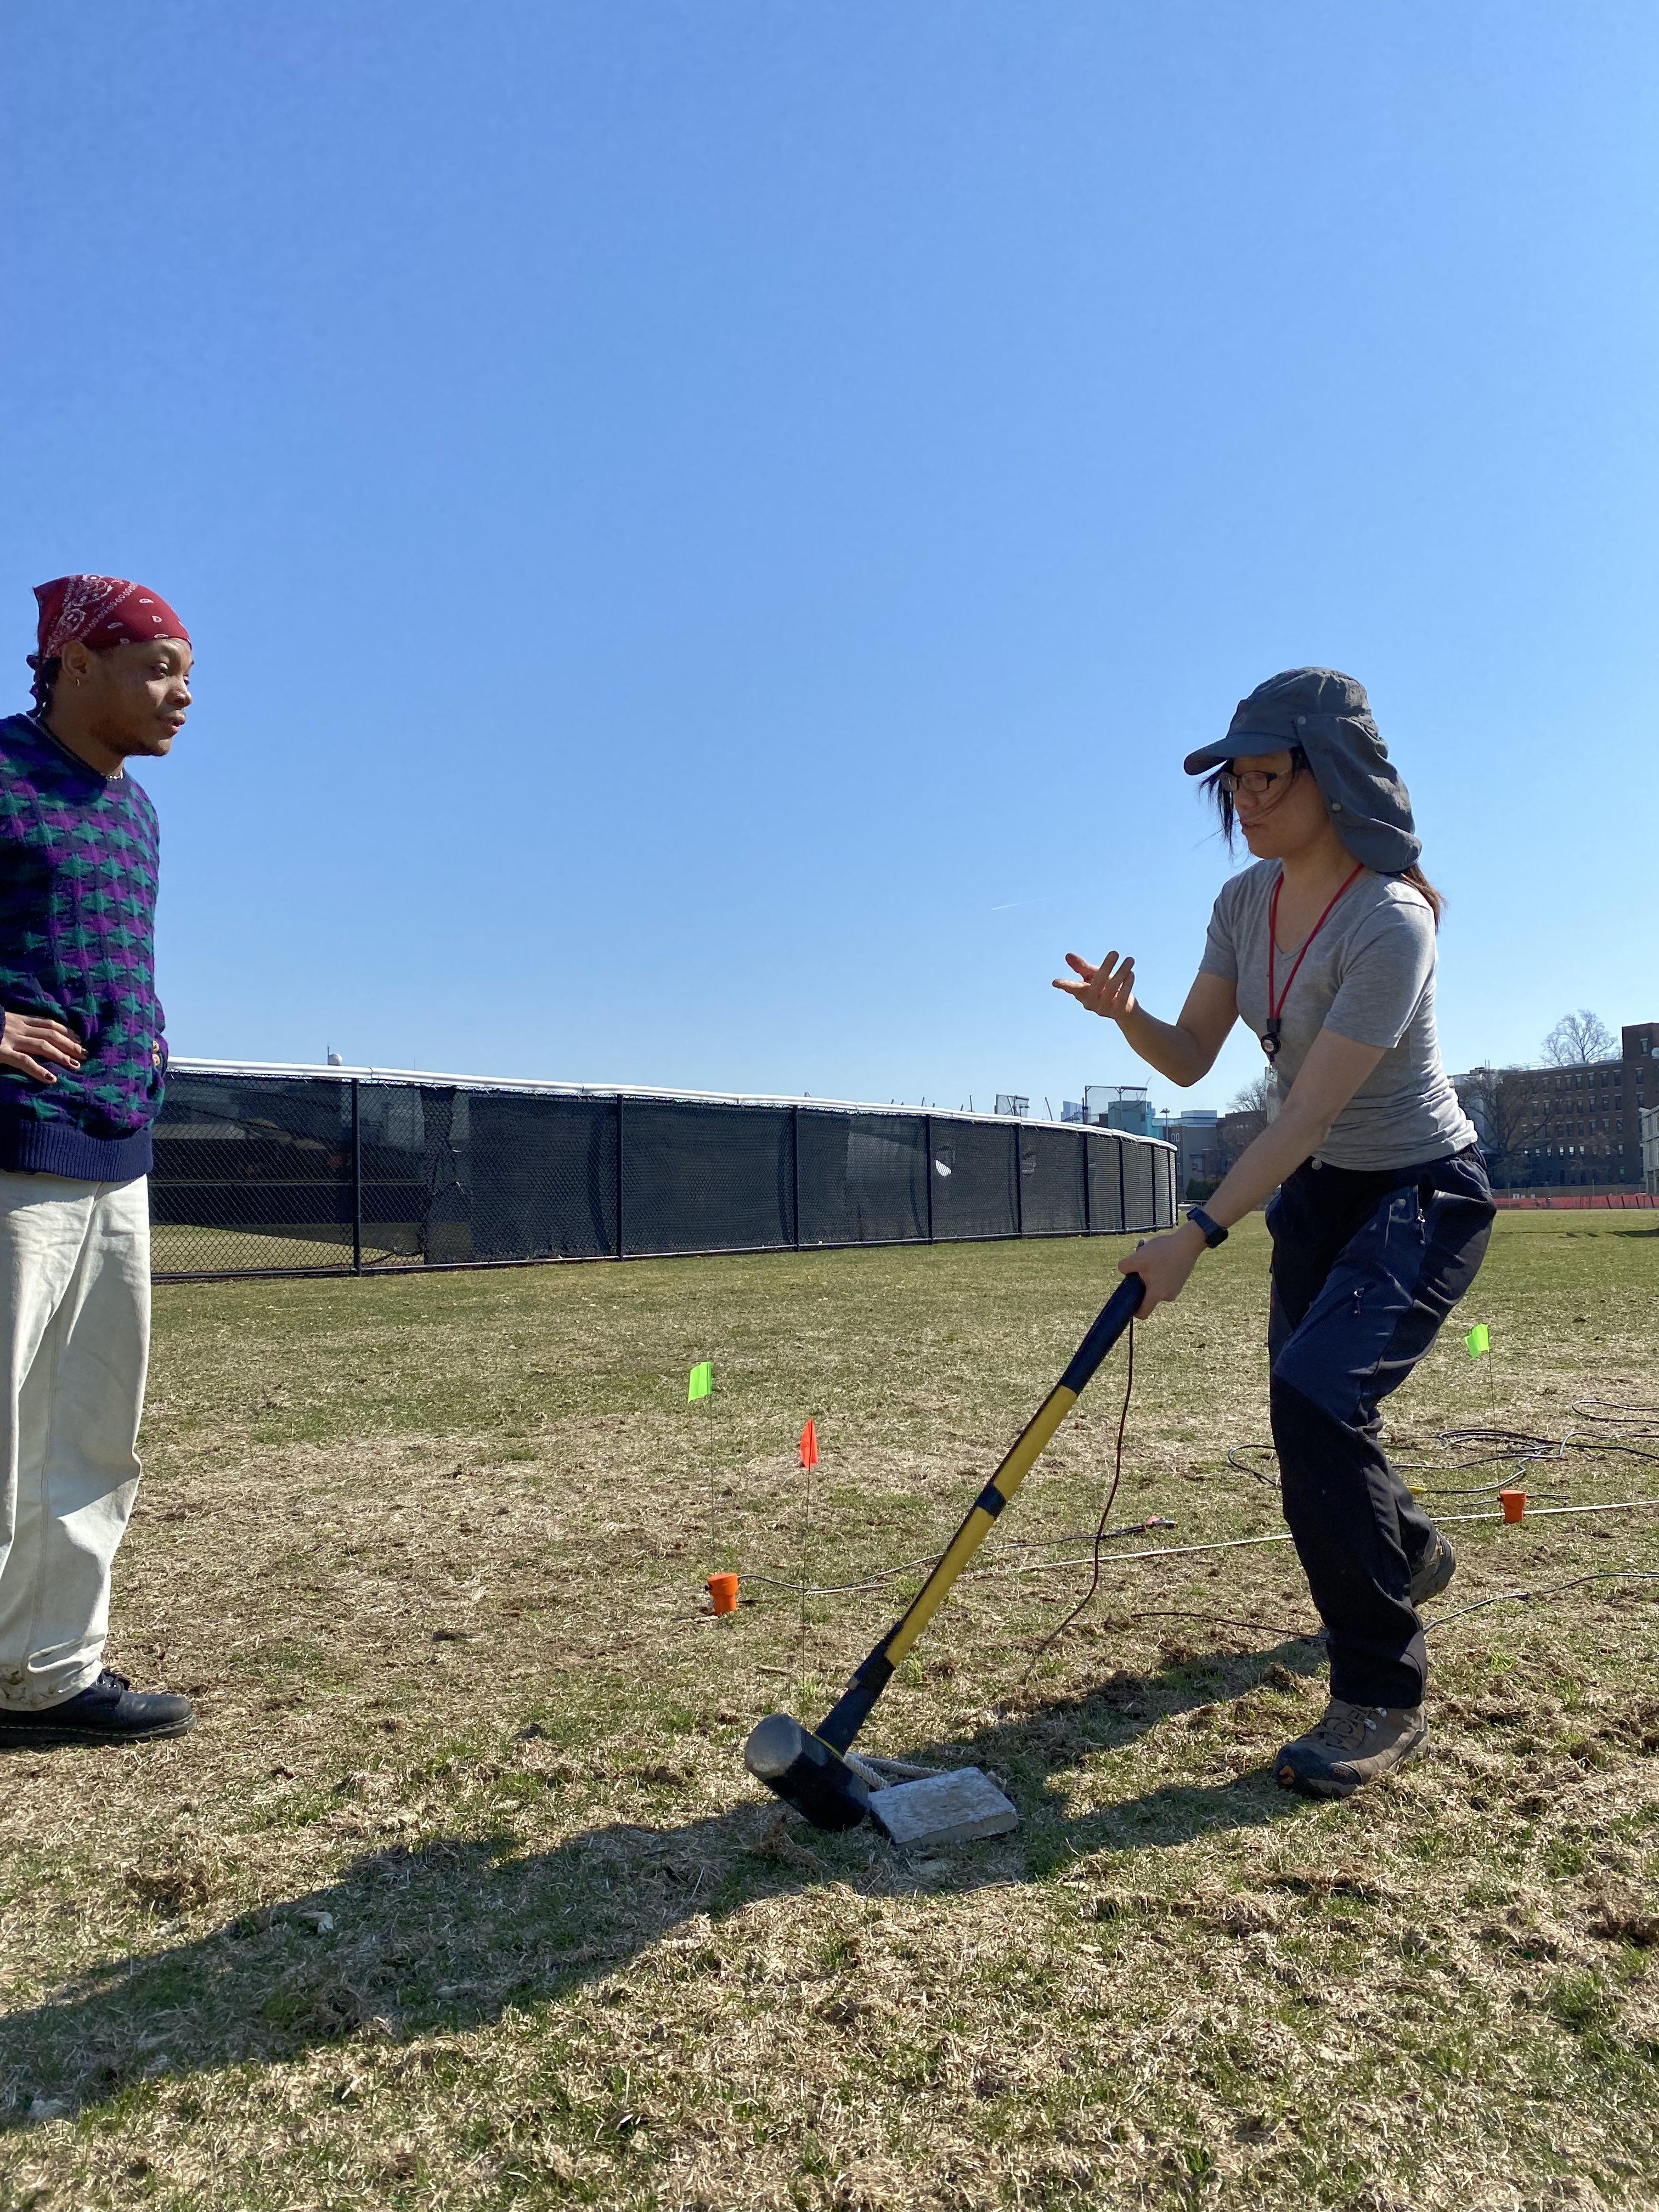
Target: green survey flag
701,1381
1479,1339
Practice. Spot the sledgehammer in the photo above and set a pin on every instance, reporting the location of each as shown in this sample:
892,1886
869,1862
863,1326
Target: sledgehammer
804,1766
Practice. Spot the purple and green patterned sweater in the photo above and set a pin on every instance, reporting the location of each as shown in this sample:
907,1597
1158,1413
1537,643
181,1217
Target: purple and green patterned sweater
78,855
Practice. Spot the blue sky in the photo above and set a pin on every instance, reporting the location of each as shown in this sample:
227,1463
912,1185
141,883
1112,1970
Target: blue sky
708,528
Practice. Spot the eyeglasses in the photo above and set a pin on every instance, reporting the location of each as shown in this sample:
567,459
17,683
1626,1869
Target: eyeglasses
1257,781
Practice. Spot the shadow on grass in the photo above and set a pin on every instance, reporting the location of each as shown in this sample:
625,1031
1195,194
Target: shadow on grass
443,1937
1036,1740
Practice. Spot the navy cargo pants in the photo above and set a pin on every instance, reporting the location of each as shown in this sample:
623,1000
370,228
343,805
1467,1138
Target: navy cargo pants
1366,1266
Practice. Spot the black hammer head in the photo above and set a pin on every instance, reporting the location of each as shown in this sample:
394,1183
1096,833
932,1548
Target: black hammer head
806,1772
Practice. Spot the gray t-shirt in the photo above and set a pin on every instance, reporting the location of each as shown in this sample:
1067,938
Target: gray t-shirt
1369,976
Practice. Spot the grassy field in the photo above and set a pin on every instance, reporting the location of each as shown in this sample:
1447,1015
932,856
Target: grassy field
460,1896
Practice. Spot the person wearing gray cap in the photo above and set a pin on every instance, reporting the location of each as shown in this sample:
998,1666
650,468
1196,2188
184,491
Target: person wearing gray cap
1380,1209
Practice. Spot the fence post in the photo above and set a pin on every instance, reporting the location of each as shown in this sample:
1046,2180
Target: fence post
619,1174
1122,1187
794,1156
1088,1209
1019,1179
927,1142
356,1179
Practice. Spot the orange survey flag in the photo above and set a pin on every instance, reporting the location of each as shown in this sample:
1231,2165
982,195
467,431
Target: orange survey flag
809,1446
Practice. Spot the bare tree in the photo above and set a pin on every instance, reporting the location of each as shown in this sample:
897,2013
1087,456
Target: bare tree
1578,1040
1246,1117
1507,1117
1255,1097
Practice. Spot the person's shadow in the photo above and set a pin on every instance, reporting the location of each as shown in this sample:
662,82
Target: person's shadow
444,1935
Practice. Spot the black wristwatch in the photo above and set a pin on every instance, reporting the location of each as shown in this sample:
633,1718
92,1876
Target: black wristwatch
1214,1234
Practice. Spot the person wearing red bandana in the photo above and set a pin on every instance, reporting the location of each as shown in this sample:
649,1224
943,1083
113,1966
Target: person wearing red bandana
83,1063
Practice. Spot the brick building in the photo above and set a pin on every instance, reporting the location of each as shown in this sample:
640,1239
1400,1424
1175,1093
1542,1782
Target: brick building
1543,1126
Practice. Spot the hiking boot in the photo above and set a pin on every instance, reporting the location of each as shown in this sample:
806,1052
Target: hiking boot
1434,1571
109,1711
1353,1745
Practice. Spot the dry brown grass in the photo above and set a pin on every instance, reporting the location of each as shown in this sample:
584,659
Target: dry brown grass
460,1896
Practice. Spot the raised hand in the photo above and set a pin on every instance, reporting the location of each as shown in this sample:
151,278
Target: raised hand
1107,990
29,1040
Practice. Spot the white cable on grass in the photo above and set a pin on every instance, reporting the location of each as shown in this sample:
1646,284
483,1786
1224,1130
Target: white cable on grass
1186,1551
1537,1512
915,1566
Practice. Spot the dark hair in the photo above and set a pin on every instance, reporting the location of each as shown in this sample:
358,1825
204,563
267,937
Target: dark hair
1223,800
45,674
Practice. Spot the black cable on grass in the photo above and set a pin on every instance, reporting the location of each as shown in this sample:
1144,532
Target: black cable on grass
1552,1590
1316,1636
1225,1620
1085,1535
1100,1533
1625,1414
1242,1467
841,1590
1510,1444
1512,1448
1516,1446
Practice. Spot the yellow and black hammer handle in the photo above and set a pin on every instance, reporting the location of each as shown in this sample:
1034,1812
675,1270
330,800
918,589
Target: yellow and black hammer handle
848,1716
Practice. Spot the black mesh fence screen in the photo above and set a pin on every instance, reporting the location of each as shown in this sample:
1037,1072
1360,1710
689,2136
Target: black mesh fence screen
1139,1185
1164,1167
1052,1199
863,1177
253,1173
260,1174
1106,1216
707,1178
975,1191
539,1185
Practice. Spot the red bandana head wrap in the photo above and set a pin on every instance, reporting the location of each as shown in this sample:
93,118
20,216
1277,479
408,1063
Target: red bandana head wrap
104,610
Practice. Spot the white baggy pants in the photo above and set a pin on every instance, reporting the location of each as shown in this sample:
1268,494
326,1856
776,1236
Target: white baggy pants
75,1329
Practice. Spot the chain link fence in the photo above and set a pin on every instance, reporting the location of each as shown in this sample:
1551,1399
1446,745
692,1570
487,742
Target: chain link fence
261,1171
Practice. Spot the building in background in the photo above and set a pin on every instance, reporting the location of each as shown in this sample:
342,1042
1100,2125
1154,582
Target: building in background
1237,1130
1596,1126
1541,1128
1195,1132
1118,1106
1135,1115
1206,1144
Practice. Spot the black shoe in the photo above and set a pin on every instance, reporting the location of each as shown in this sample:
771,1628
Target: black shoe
1434,1571
110,1712
1349,1747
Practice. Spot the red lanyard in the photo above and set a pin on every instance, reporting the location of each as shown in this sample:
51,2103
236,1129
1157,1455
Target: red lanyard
1276,999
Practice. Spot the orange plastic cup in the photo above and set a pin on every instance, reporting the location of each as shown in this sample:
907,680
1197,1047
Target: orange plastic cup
1514,1503
723,1591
